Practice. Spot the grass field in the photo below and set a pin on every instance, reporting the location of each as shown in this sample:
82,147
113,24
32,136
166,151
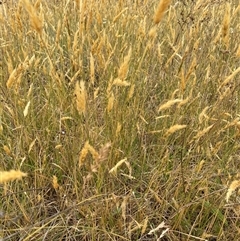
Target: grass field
121,118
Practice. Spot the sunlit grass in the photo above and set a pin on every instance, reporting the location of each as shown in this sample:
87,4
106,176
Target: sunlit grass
124,115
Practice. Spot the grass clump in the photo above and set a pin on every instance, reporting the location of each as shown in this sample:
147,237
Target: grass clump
125,117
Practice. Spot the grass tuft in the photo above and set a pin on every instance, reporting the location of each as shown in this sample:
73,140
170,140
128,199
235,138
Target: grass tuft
125,117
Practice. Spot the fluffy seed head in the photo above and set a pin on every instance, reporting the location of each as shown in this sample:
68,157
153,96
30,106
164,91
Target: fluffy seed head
103,152
55,182
110,102
203,132
36,22
169,104
162,6
93,152
175,128
83,154
123,70
233,186
119,82
131,91
6,176
226,24
80,94
238,51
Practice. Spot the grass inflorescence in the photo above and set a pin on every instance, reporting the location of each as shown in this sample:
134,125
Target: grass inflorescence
125,117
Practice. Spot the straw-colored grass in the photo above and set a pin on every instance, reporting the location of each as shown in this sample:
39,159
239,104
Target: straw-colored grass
124,115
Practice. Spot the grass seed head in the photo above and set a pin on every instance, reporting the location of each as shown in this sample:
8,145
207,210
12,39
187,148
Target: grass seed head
238,51
120,82
203,115
123,70
203,132
7,150
80,94
36,22
77,3
92,70
183,102
118,129
12,79
175,128
25,112
115,168
93,152
6,176
162,6
110,102
169,104
58,32
104,151
83,154
229,78
55,182
131,91
233,186
153,33
226,24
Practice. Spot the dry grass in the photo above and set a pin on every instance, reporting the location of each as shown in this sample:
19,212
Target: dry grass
128,129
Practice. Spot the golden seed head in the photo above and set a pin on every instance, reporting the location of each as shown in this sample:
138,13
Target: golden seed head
83,154
169,104
175,128
162,6
80,94
6,176
36,22
123,70
55,182
233,186
110,102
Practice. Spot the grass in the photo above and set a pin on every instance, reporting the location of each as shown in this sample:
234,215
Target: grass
125,118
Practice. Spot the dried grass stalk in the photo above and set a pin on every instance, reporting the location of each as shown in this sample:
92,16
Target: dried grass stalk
229,78
115,168
203,115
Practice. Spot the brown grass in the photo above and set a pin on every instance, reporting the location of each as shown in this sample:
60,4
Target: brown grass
125,116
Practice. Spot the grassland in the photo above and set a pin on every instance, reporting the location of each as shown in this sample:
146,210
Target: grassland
125,120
